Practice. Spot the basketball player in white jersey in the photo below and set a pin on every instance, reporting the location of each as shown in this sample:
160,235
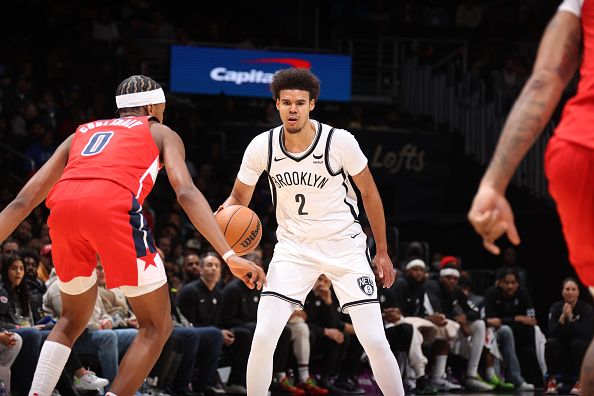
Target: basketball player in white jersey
308,166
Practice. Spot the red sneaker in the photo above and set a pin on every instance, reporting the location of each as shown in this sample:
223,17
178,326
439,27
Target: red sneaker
551,387
286,387
310,387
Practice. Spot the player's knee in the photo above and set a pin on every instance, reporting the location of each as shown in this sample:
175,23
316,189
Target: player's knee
72,325
261,342
160,328
374,342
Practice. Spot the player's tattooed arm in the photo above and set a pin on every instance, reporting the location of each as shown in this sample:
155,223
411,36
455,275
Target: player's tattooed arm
557,60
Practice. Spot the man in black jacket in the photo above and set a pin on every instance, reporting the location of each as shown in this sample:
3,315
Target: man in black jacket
443,301
35,285
508,304
200,302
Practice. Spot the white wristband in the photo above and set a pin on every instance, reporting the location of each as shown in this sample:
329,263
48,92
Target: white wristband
228,254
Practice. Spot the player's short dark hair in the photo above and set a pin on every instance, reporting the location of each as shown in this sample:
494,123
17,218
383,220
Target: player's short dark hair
134,84
295,78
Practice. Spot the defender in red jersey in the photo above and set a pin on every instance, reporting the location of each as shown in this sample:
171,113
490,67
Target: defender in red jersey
99,178
569,160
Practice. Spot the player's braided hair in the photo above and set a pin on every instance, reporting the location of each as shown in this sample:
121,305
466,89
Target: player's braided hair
134,84
295,78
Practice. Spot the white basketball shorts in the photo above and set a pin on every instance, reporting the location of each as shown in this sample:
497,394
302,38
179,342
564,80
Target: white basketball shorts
298,262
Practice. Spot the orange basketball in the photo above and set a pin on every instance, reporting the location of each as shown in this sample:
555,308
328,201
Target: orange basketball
241,227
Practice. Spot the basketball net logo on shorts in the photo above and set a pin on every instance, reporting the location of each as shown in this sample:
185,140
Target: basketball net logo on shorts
366,285
255,76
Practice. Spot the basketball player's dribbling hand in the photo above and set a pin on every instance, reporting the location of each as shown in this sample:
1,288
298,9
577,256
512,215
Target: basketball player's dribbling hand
491,216
252,275
385,269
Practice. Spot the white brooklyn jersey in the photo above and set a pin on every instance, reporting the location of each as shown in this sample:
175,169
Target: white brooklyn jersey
311,191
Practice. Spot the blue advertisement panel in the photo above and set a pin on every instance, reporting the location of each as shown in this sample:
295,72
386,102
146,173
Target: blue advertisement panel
239,72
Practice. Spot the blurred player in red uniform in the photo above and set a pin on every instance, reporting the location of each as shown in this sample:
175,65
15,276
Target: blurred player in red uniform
99,178
569,160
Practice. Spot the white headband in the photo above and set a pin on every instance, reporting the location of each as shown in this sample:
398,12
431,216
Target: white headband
449,271
415,263
137,99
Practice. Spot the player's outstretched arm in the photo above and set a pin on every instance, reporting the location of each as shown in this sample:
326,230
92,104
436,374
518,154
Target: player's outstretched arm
35,191
375,213
196,206
556,63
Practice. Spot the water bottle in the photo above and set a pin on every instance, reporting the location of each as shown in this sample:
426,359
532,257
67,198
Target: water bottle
3,389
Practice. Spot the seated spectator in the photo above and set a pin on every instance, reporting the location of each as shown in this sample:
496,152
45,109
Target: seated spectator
199,302
499,344
13,294
570,332
203,353
10,247
191,267
509,259
511,305
36,286
10,346
404,337
239,308
444,300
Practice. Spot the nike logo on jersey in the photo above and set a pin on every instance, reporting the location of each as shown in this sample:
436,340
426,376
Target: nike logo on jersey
279,159
318,156
354,236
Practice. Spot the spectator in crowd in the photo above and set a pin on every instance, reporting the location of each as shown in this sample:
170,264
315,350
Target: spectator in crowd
23,233
202,353
35,285
404,337
497,339
444,299
570,332
13,294
239,308
191,267
509,259
199,301
10,346
509,304
10,247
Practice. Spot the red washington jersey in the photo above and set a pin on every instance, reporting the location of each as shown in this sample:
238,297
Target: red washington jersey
121,150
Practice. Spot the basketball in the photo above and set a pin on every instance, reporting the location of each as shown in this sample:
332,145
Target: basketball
241,227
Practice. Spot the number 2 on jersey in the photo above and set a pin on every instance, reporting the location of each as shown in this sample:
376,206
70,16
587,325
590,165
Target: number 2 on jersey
301,199
97,143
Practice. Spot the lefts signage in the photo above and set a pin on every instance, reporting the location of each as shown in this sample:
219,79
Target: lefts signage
238,72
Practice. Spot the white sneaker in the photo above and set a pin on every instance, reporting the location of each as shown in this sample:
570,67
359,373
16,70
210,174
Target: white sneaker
443,385
89,381
525,386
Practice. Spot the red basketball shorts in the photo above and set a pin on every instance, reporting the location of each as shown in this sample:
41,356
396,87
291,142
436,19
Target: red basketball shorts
91,219
570,170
